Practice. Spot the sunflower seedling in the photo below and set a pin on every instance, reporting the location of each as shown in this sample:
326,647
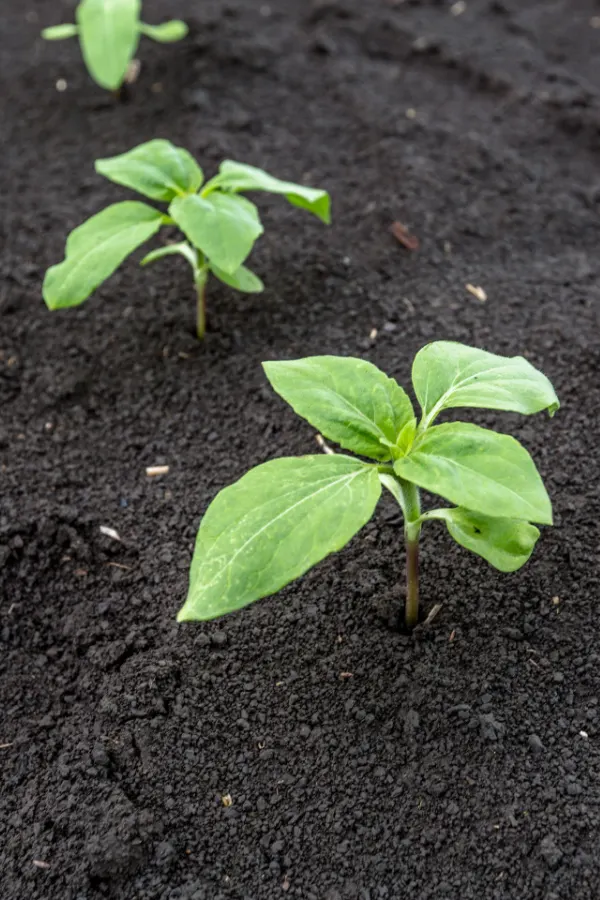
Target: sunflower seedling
284,516
220,225
109,32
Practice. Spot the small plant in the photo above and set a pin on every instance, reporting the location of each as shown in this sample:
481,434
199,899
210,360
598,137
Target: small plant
220,225
286,515
109,32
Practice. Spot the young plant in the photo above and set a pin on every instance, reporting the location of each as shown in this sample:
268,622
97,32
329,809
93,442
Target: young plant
109,32
286,515
220,225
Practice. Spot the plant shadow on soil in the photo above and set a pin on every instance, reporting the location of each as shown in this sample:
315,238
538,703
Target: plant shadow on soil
299,748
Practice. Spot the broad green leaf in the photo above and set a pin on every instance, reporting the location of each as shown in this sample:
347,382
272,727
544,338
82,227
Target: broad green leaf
166,33
479,469
348,400
59,32
223,226
506,544
446,374
243,280
157,169
273,525
96,248
234,176
109,35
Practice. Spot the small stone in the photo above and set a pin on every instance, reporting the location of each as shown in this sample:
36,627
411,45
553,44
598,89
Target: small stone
197,99
324,44
411,722
165,853
99,756
535,743
551,853
425,44
558,677
460,708
513,634
490,728
438,788
219,639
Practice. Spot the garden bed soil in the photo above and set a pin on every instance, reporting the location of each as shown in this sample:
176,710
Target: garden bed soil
300,748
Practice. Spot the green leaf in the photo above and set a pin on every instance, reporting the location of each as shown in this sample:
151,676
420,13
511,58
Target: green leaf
348,400
109,35
446,374
166,33
96,248
157,169
223,226
273,525
506,544
59,32
479,469
243,280
234,176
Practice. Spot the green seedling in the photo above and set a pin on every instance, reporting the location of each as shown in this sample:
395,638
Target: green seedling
220,225
109,32
286,515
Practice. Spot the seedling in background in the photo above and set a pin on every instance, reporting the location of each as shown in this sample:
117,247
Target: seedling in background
109,33
219,224
286,515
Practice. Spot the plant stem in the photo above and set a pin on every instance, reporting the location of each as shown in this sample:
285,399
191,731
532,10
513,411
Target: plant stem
121,94
412,531
200,279
411,609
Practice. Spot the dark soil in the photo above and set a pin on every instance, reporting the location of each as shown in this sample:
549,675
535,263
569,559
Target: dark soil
462,763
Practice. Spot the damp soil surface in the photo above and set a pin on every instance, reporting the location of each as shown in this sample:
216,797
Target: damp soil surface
299,748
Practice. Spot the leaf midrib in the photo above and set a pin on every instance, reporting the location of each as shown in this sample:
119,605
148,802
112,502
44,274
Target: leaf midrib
348,478
486,478
101,247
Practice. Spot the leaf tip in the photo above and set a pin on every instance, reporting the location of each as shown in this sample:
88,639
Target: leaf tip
324,212
184,614
269,368
545,515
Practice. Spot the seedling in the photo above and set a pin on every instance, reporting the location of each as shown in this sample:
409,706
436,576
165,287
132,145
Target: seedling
220,225
286,515
109,32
